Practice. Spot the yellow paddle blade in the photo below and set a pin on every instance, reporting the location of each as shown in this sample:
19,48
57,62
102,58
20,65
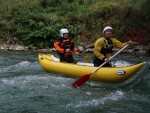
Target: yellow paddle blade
87,58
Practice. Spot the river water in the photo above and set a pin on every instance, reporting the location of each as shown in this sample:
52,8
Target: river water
26,88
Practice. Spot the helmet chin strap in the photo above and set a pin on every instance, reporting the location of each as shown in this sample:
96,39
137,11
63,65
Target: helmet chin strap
106,37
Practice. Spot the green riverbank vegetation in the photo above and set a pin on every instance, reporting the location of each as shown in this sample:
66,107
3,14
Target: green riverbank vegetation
37,22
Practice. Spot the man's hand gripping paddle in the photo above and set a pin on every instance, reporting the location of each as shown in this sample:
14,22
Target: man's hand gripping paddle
85,78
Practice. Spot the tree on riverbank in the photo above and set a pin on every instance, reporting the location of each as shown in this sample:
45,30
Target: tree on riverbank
38,22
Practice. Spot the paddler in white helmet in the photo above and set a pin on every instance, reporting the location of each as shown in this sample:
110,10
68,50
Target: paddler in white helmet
104,45
65,47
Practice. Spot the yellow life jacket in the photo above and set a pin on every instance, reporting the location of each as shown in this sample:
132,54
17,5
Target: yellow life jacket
107,47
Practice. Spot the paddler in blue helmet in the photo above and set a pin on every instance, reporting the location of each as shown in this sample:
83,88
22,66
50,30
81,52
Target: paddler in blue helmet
103,47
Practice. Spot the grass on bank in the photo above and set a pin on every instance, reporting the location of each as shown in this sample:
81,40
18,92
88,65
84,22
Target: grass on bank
38,22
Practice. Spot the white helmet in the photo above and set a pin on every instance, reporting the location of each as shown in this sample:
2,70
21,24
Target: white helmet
62,31
106,28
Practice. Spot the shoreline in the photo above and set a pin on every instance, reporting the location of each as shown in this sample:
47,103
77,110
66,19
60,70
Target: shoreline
135,49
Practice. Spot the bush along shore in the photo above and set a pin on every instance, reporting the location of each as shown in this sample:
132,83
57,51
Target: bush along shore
37,22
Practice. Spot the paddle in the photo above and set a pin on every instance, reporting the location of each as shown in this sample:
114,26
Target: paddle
84,78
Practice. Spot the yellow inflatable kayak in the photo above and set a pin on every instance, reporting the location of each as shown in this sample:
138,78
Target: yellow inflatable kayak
105,74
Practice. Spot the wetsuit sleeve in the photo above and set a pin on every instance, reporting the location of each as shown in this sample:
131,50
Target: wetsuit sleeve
74,49
58,48
117,43
97,48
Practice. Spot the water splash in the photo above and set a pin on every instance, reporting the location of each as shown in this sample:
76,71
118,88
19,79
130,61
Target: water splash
121,63
24,65
96,102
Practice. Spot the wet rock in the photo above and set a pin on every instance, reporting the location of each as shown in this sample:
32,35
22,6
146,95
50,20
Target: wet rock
89,46
19,48
80,48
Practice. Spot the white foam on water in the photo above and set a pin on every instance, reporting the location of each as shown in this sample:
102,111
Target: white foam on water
96,102
1,58
24,65
43,81
21,80
16,66
121,63
60,82
88,93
